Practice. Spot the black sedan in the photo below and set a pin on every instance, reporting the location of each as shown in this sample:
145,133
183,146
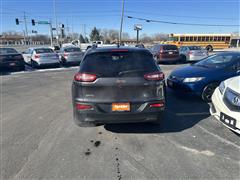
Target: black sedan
11,59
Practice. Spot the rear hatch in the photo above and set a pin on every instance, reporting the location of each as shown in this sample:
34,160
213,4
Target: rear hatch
120,77
169,51
73,54
4,58
46,55
197,51
10,55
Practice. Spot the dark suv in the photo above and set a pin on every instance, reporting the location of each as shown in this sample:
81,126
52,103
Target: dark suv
165,53
118,85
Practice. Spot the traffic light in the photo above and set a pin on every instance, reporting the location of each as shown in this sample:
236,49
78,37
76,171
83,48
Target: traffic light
33,22
17,21
63,26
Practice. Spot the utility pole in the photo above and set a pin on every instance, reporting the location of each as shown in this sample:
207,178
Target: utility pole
51,32
120,33
55,16
25,21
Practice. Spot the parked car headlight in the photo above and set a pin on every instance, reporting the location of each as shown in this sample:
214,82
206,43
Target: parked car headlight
221,87
193,79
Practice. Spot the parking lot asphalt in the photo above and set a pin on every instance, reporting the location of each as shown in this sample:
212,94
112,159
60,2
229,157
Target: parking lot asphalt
39,139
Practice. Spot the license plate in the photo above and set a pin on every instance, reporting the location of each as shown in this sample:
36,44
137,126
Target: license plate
231,122
12,64
170,52
120,106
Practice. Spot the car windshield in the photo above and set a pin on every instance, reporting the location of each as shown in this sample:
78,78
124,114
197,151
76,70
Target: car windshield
7,51
43,50
195,48
216,61
72,50
113,64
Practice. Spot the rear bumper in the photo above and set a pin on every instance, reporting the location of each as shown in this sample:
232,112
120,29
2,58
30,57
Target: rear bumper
41,64
168,59
143,114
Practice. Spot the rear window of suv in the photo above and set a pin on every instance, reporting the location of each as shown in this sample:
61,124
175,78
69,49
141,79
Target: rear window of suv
118,64
170,47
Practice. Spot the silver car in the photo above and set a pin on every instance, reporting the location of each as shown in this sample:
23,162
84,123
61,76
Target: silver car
192,53
70,55
41,56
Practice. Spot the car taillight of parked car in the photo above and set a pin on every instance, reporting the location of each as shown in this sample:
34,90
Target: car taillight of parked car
84,77
37,56
190,53
65,55
161,51
155,76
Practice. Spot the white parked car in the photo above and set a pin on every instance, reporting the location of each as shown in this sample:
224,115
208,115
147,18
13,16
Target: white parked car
192,53
226,103
41,56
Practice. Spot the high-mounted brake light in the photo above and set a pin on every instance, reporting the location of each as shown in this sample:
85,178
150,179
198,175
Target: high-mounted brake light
83,106
155,76
84,77
119,50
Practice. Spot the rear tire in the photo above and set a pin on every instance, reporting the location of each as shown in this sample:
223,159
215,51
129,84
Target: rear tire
183,59
208,91
209,48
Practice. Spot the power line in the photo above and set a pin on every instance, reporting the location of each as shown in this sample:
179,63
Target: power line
181,23
195,17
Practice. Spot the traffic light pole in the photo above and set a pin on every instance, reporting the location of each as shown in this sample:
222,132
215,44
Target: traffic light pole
25,21
51,33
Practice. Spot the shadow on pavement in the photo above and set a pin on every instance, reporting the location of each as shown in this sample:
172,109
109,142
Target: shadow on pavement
182,112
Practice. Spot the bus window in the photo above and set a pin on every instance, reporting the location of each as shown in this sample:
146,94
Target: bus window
223,38
211,38
194,38
227,39
187,38
215,38
218,38
207,38
181,38
191,38
203,38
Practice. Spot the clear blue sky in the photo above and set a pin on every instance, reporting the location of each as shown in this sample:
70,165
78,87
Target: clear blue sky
106,14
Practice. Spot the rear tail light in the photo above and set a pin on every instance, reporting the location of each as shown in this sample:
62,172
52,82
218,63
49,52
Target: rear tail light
161,51
83,106
84,77
65,55
155,76
161,104
37,56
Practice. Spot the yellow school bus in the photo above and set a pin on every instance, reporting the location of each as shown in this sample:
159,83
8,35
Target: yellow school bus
208,41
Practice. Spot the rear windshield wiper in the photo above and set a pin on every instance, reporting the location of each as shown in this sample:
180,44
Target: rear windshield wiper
131,71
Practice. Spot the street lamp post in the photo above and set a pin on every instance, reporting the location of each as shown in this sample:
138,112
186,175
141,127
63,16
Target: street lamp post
121,27
137,27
